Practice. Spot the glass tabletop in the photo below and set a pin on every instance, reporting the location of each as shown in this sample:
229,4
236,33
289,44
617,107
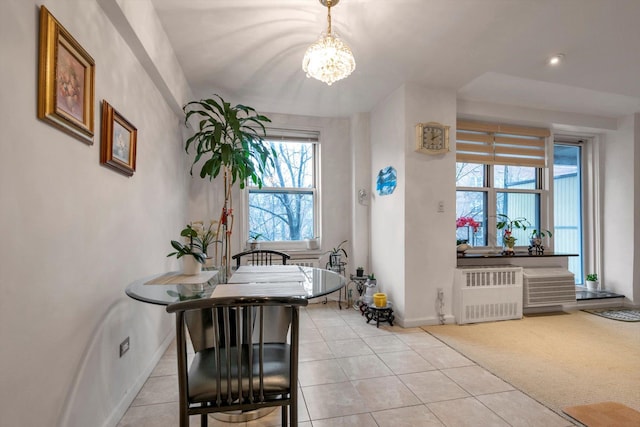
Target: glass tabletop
317,282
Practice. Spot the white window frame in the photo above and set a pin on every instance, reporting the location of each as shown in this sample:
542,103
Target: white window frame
492,199
591,191
291,245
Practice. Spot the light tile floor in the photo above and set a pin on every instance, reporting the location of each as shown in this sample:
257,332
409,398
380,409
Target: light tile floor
354,374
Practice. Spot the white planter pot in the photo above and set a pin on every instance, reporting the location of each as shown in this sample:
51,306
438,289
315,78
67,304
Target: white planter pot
592,285
313,244
190,266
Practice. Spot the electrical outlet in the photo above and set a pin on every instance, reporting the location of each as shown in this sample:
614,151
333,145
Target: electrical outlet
440,294
124,346
441,206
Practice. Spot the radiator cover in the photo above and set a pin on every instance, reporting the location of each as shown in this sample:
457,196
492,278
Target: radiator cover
485,294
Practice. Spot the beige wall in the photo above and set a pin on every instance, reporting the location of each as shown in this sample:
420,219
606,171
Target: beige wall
74,233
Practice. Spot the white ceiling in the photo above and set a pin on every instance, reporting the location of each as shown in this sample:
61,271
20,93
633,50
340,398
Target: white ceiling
487,50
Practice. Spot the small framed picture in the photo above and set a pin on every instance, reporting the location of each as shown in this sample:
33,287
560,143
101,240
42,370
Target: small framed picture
66,75
118,141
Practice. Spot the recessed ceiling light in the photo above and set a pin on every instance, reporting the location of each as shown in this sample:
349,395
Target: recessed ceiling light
556,59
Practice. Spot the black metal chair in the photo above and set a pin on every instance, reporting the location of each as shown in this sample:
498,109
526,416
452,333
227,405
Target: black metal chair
261,257
241,370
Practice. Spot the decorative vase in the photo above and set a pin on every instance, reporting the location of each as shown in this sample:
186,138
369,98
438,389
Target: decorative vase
190,265
313,244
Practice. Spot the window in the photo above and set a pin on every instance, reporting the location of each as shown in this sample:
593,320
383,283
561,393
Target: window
285,210
499,171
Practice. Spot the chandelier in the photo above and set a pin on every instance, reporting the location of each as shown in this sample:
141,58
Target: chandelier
329,59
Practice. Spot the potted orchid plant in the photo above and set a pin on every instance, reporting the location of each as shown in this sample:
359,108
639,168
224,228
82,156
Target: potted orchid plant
193,258
472,227
194,251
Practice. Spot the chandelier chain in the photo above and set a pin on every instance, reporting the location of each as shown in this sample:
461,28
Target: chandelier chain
328,17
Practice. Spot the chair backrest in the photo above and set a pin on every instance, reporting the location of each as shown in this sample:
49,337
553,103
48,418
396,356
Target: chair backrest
261,257
241,370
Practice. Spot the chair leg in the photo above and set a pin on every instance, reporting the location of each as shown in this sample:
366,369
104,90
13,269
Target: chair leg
293,414
283,413
204,420
184,419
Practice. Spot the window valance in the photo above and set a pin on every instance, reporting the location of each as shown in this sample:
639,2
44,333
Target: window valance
499,144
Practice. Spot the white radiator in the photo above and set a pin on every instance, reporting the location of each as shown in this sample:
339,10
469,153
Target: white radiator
305,262
548,286
484,294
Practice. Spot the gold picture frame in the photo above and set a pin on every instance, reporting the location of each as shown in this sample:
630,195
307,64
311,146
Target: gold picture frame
432,138
118,141
66,74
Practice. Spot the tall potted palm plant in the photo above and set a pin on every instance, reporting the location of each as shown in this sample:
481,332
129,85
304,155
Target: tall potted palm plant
229,140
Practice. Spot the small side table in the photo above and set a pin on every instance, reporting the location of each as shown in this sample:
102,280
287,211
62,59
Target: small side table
359,282
379,314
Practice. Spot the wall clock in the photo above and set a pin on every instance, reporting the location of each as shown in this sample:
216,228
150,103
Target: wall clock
432,138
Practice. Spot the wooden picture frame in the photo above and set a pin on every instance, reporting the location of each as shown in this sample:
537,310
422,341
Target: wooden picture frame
66,74
118,141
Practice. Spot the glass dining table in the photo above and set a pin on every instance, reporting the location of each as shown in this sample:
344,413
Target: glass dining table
167,288
171,287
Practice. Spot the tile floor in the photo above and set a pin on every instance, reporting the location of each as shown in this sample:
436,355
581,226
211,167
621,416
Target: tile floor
354,374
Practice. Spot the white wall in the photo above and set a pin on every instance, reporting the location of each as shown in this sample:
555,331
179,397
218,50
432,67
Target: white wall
430,255
412,243
388,135
620,170
76,233
360,175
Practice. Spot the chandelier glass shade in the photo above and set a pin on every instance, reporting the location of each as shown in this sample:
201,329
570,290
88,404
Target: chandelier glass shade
329,59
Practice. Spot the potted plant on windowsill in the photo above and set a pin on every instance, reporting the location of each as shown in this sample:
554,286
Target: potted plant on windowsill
313,243
508,225
253,241
535,240
592,282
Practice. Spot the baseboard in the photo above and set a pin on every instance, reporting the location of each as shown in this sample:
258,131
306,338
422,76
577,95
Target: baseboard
425,321
124,404
596,303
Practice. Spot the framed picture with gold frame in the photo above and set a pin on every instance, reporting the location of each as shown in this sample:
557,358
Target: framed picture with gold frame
66,74
118,141
432,138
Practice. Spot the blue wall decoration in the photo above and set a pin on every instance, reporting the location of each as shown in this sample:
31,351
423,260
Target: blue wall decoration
386,182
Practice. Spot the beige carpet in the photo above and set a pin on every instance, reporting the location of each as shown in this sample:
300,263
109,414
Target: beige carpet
561,360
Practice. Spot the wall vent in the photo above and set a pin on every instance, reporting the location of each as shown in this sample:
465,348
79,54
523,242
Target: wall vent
485,294
548,286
